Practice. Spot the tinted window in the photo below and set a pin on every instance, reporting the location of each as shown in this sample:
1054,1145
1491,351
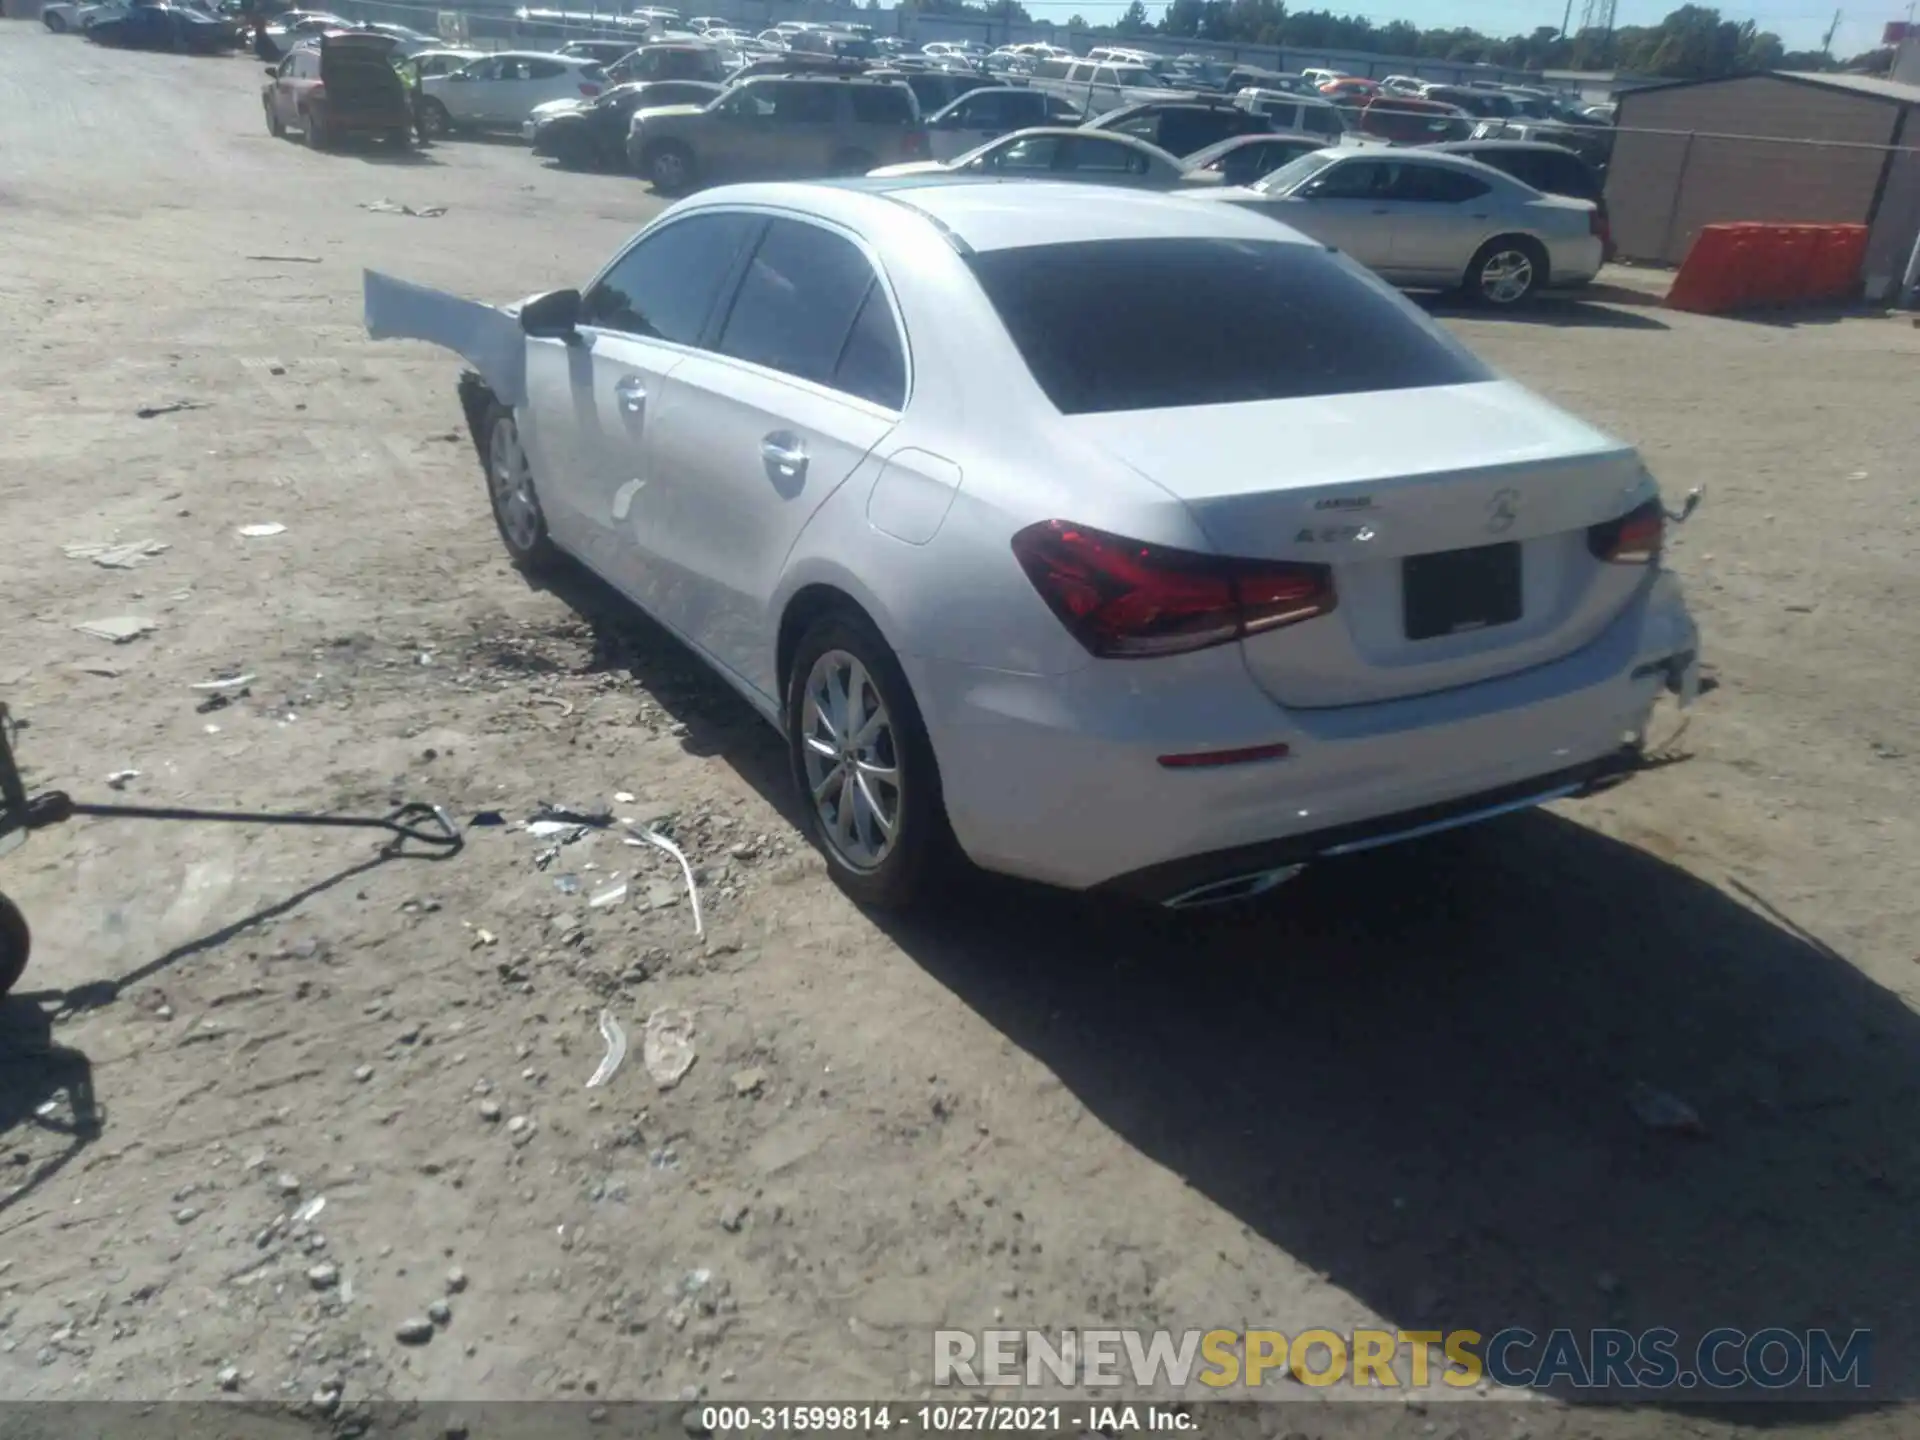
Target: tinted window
1565,175
871,365
1207,322
1320,120
881,104
1184,131
1360,180
798,302
544,69
804,104
1033,152
1104,157
666,285
1436,186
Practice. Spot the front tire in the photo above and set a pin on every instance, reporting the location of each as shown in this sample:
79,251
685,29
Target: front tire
16,943
274,126
670,167
1507,271
56,22
869,788
511,493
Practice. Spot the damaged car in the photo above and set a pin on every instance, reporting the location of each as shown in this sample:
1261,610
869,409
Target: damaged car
1119,640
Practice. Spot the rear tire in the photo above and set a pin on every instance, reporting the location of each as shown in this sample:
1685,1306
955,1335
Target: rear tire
436,122
1508,271
851,722
511,493
16,943
274,126
317,133
670,167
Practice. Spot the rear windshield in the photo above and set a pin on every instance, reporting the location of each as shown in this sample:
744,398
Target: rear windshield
1159,324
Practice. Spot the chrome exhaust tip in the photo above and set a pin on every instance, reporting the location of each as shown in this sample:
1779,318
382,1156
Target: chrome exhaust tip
1237,888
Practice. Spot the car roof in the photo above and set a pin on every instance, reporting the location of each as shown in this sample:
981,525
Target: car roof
989,213
1474,147
534,55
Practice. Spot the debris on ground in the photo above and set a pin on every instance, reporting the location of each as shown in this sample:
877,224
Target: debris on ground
310,1211
118,628
119,778
749,1081
541,829
667,1046
117,556
287,259
659,841
148,412
414,1330
616,1039
1660,1111
262,531
388,207
594,815
487,817
611,895
233,682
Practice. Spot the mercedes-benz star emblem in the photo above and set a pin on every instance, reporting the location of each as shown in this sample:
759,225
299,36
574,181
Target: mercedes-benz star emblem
1502,510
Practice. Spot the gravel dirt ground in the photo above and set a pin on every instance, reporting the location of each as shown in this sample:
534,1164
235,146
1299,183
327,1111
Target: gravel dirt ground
1396,1093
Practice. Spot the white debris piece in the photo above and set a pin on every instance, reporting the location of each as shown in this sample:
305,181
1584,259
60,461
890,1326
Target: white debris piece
612,895
667,1046
118,628
262,531
231,684
616,1039
659,841
116,556
119,778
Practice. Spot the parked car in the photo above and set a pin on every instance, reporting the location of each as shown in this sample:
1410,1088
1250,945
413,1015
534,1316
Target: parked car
71,17
1350,90
934,90
789,63
406,41
1098,87
1180,127
1483,104
442,62
1249,77
1146,650
165,27
344,87
1423,219
832,42
1059,153
1407,121
1246,158
605,53
983,115
1550,169
593,133
1314,114
670,61
1404,84
498,92
778,126
1320,76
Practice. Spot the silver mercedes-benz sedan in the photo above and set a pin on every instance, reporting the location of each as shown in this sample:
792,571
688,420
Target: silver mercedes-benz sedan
1429,220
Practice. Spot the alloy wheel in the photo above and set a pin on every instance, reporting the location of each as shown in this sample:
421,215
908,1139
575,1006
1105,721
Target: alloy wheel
1506,276
669,170
852,758
510,480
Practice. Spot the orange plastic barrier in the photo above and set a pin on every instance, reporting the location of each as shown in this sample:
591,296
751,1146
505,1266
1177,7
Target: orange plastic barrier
1733,266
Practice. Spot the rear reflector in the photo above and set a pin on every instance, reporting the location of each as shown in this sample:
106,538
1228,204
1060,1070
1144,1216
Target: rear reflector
1224,757
1124,599
1634,539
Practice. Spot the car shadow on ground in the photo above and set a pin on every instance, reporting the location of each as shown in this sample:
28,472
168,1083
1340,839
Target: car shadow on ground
1427,1073
48,1114
1559,310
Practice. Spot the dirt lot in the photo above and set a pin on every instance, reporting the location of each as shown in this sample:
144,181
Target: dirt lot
1397,1093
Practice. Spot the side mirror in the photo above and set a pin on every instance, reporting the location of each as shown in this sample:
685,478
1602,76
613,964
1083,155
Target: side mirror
554,316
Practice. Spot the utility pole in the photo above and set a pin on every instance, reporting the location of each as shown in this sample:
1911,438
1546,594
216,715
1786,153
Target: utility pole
1826,41
1566,18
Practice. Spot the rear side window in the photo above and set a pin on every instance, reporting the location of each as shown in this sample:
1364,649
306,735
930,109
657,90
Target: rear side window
547,69
1184,131
797,305
882,104
804,104
1565,175
1207,322
1435,185
871,365
666,286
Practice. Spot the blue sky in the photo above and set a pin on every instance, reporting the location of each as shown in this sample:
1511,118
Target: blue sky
1800,23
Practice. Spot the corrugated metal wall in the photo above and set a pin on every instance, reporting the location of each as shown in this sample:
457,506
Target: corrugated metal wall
1661,188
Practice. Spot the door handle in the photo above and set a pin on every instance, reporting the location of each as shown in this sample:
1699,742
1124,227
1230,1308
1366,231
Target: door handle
784,452
1383,210
632,394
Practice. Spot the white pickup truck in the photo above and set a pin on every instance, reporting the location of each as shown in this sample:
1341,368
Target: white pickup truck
1097,86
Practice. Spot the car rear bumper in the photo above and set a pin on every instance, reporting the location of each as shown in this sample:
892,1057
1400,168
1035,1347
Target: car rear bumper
1059,779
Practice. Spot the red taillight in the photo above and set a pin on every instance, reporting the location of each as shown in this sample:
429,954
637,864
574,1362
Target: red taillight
916,145
1633,539
1206,759
1123,599
318,92
589,89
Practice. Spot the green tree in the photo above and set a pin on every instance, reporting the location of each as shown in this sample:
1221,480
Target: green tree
1133,20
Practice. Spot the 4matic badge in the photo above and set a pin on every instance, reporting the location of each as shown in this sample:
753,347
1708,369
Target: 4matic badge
1335,535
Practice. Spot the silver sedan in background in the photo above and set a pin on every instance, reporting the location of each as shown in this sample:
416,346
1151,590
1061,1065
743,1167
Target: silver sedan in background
1429,220
1047,152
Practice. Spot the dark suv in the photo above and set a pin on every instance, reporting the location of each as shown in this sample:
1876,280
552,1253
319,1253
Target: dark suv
1180,127
1550,169
779,127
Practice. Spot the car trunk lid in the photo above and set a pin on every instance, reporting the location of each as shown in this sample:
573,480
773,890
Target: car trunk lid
362,85
1454,519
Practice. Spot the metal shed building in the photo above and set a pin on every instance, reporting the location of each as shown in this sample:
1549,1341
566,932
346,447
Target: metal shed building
1776,147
